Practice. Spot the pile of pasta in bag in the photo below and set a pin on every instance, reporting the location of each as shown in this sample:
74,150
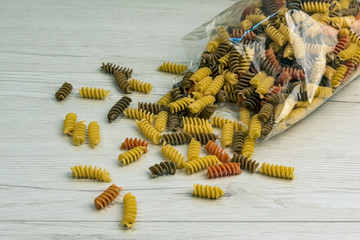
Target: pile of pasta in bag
278,61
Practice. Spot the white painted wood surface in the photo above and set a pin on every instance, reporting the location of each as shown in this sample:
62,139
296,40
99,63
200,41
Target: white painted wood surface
44,43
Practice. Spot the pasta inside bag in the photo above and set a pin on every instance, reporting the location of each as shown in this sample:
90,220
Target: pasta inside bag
280,59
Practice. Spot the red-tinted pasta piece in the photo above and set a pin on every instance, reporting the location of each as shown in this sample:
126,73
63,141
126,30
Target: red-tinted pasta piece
222,170
131,143
216,150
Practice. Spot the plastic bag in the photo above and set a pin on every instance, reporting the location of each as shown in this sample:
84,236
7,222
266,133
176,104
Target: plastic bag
290,56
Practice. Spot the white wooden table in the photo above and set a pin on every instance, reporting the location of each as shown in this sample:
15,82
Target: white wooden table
44,43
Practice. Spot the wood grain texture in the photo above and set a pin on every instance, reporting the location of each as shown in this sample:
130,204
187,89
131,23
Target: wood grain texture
44,43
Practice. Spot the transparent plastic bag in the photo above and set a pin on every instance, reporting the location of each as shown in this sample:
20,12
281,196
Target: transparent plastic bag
308,50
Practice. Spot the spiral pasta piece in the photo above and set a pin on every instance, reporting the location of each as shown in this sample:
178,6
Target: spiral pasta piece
118,108
267,127
238,141
161,120
90,172
189,128
277,171
69,123
107,196
255,127
338,77
297,45
180,104
130,210
225,169
222,34
201,163
265,112
131,155
167,167
94,93
165,100
94,134
122,82
213,45
177,138
173,122
216,150
138,114
199,104
175,94
215,85
130,143
64,91
248,147
227,134
255,19
258,78
264,86
218,121
230,77
234,61
275,35
140,86
112,68
203,84
201,74
296,115
149,131
79,133
196,121
245,162
207,191
317,7
174,155
194,149
204,138
208,110
151,107
349,52
244,116
170,67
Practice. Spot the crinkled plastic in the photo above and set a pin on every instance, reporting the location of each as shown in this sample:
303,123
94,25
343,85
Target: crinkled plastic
315,46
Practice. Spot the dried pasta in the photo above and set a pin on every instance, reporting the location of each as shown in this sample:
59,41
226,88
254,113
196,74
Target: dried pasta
64,91
194,149
248,147
131,155
112,68
207,191
245,162
122,82
107,196
130,210
200,163
161,120
139,114
149,131
69,123
90,172
203,84
180,104
174,155
227,134
255,127
167,167
94,93
216,150
204,138
277,171
200,74
225,169
140,86
200,104
118,108
79,133
170,67
130,143
94,134
177,138
215,85
238,141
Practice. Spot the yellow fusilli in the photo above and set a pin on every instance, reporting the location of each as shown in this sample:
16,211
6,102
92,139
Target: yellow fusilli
69,123
172,67
200,74
203,84
94,134
248,147
138,114
131,155
199,104
255,127
174,155
194,149
130,210
258,78
149,131
95,93
140,86
227,134
90,172
215,85
277,171
207,191
161,121
79,133
201,163
265,85
180,104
